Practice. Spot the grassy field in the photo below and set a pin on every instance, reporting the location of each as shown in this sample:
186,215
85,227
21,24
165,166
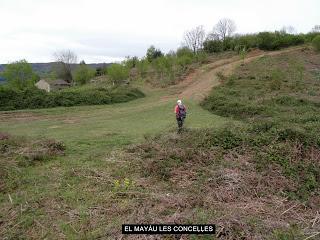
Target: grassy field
108,125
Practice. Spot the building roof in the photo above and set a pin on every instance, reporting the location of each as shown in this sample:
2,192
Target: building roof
59,82
42,80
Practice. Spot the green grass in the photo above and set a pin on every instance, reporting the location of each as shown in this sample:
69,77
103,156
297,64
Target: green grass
70,186
108,123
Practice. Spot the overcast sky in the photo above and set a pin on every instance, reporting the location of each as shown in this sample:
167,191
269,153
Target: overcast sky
104,31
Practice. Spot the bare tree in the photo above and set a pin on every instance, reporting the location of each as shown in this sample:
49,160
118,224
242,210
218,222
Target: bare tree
288,29
223,29
64,60
194,38
316,28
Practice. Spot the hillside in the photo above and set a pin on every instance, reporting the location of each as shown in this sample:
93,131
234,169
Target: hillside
42,69
247,161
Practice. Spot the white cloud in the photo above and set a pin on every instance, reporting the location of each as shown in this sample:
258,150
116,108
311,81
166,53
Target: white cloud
99,30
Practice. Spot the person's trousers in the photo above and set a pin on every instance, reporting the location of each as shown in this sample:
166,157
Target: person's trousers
180,122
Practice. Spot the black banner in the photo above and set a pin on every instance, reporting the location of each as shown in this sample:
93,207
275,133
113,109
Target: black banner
168,229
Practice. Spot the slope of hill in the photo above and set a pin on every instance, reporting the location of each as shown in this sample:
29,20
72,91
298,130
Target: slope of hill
44,68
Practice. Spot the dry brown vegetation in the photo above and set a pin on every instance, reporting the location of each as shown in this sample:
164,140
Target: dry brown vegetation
19,152
180,183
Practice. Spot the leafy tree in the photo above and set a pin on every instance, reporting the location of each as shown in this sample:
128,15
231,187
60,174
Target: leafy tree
20,75
83,73
131,62
143,67
117,73
153,53
101,70
164,69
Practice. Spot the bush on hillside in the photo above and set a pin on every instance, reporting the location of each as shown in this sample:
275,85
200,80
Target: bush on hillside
310,36
184,52
213,46
245,41
153,53
184,61
277,40
316,43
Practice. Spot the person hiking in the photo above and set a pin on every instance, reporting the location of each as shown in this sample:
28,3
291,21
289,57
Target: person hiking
181,113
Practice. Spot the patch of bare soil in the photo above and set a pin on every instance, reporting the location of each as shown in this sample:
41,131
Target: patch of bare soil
20,116
4,136
29,117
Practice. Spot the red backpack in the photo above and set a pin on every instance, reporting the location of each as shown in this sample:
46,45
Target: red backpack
182,111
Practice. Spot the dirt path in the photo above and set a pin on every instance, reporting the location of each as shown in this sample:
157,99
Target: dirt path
199,83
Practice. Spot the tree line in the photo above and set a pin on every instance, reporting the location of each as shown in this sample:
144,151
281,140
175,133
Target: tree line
223,38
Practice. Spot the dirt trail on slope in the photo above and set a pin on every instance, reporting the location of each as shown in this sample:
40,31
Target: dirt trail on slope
199,83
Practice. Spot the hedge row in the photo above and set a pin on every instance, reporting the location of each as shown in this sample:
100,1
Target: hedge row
32,98
262,40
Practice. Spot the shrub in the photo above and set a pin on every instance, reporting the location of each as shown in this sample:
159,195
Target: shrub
213,46
246,41
34,98
316,43
277,40
184,61
310,36
201,57
153,53
184,52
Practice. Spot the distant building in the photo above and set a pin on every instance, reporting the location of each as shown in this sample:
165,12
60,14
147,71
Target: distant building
44,85
54,85
59,84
